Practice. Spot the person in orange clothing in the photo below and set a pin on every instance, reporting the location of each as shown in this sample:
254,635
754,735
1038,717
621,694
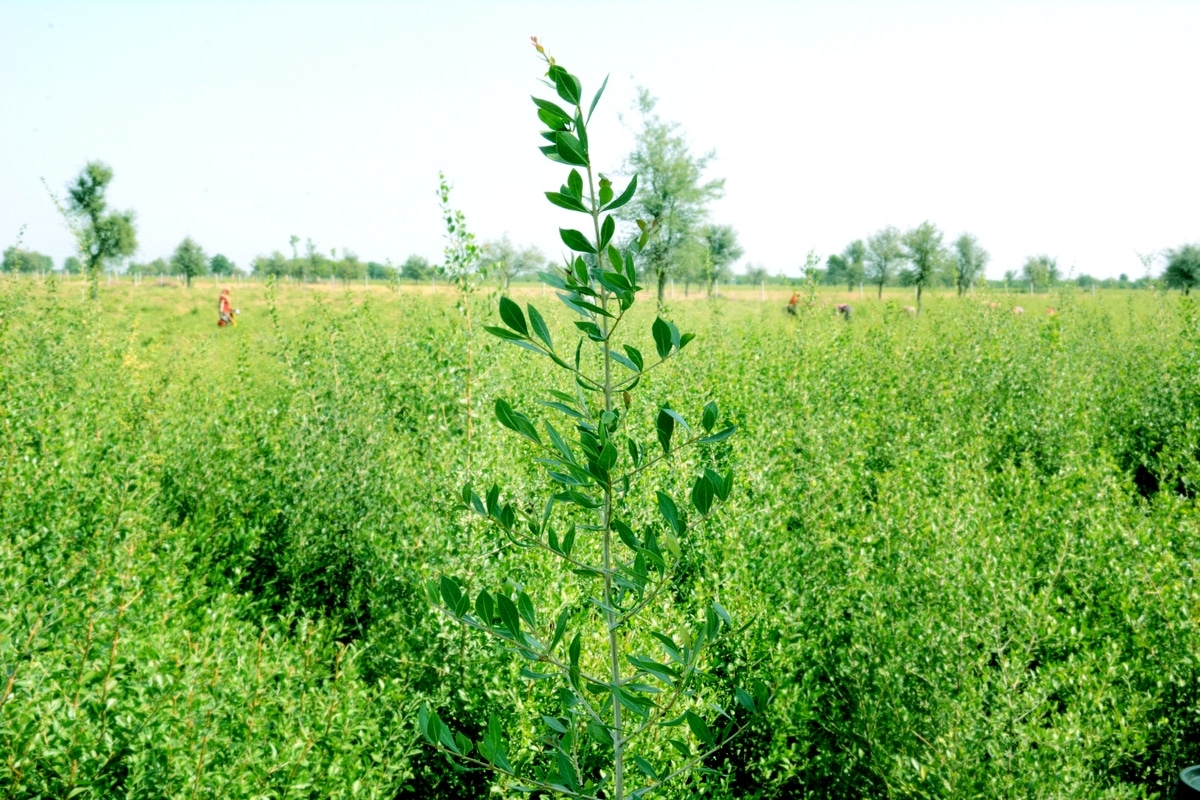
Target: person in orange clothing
224,309
791,306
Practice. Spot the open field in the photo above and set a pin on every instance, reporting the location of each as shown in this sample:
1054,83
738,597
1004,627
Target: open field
966,543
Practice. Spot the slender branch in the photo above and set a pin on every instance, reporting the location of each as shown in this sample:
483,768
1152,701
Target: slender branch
660,362
688,765
631,475
545,787
541,656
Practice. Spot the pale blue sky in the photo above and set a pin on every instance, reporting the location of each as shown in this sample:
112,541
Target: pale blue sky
1064,128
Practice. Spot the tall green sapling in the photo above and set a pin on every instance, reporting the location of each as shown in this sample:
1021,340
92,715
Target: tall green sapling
616,687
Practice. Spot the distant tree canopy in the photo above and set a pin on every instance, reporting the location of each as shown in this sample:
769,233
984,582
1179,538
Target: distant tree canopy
925,254
220,265
189,260
17,260
670,191
849,266
1041,271
883,257
72,266
416,268
1183,268
102,235
508,261
970,261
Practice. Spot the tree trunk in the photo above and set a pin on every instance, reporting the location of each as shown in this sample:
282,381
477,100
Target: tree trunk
919,287
662,284
881,290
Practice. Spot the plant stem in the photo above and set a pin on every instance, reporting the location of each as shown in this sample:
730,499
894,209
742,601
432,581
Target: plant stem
614,653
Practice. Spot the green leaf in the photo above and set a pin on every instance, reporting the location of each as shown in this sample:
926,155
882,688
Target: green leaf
485,607
600,735
721,485
668,644
566,771
702,494
569,149
670,512
746,700
625,196
512,316
568,541
560,444
723,614
503,333
720,436
539,326
676,416
560,627
675,338
526,610
608,456
576,240
554,724
635,356
553,121
632,702
622,360
516,421
646,769
575,183
553,280
606,192
710,416
607,229
451,593
700,728
509,615
596,99
563,408
662,337
665,427
553,108
614,258
566,84
573,651
563,201
682,748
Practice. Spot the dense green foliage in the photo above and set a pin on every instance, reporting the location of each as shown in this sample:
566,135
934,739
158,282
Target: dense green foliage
968,541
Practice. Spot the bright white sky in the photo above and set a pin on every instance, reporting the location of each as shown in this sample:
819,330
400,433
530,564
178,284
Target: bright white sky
1071,129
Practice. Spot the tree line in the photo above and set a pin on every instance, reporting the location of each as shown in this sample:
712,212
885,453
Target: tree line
671,190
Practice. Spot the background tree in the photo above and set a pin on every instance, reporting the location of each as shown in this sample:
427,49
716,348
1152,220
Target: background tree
849,266
722,251
883,256
925,255
220,265
189,260
508,261
755,274
670,190
1183,268
102,235
72,266
28,261
970,260
1041,270
380,272
416,268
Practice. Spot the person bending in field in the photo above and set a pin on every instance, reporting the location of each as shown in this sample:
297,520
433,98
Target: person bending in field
224,309
791,306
